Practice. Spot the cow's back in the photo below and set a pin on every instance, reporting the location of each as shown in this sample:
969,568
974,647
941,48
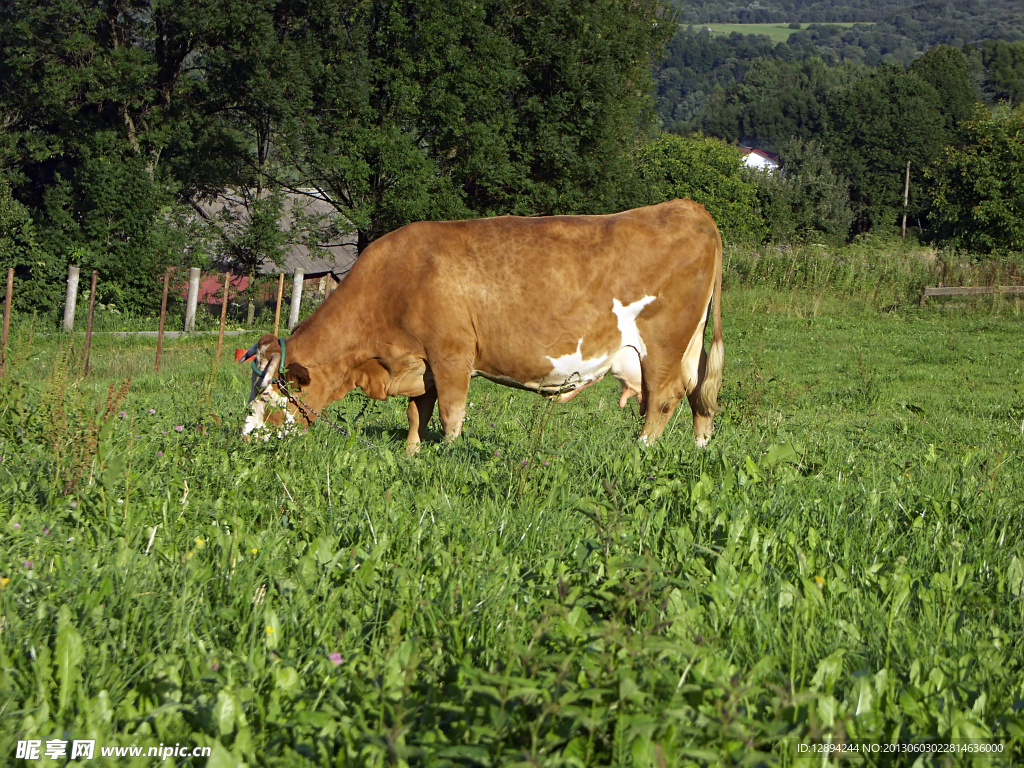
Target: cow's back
530,289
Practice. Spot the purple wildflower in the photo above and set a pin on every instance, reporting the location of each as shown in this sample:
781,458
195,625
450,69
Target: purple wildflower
152,411
525,462
336,658
159,454
15,525
46,531
545,463
492,424
28,564
497,453
215,666
121,415
179,428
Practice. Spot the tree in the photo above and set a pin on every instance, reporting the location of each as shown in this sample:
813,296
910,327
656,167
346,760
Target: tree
18,247
708,171
978,187
946,70
807,201
111,215
101,92
1004,70
877,124
465,108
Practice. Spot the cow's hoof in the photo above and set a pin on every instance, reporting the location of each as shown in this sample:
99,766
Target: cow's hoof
701,441
411,449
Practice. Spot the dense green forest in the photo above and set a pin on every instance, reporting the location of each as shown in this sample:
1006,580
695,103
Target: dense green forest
700,82
121,119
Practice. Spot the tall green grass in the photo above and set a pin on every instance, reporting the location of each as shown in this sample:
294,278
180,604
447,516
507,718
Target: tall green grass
844,562
879,275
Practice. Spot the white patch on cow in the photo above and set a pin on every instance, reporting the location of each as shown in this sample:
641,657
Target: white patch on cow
623,360
572,369
627,323
260,409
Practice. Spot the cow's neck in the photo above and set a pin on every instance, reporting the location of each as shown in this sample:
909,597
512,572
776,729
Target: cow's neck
337,337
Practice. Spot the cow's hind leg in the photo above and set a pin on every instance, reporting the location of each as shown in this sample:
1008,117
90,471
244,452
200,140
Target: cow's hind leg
702,375
703,415
421,408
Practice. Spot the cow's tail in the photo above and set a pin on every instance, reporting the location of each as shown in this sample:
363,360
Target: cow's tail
712,381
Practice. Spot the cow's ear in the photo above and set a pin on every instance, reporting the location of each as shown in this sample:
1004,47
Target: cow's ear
372,378
298,373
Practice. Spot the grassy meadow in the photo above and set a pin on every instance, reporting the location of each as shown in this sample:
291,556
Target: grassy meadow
779,33
843,562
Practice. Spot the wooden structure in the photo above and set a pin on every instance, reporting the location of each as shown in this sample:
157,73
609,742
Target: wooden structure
973,290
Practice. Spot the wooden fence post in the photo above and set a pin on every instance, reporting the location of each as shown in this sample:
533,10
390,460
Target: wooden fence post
280,294
70,299
223,316
193,298
163,317
293,316
88,324
7,318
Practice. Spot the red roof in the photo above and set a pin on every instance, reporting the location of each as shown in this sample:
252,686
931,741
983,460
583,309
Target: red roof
755,151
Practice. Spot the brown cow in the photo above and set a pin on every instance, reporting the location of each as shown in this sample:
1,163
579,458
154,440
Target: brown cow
547,304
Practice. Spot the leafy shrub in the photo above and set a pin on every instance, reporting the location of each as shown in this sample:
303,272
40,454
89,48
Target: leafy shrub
708,171
978,197
19,248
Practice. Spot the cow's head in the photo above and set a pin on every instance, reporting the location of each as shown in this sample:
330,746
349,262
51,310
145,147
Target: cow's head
268,406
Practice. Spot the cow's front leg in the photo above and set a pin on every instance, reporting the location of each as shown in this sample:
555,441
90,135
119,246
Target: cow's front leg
421,408
452,387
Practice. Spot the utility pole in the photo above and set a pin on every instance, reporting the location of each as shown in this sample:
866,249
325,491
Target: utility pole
906,199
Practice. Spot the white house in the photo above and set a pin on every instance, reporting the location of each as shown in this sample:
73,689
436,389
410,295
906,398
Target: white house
758,158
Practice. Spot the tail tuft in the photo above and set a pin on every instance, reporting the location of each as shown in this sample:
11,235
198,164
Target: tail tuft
712,383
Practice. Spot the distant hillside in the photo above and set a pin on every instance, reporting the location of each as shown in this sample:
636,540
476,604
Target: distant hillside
702,84
924,24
